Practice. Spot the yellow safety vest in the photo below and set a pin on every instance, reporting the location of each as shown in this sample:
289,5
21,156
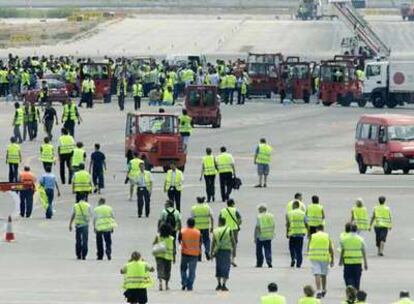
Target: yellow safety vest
137,276
168,97
361,218
147,179
78,157
66,144
289,206
137,90
82,181
185,124
352,246
47,153
319,247
224,163
309,300
178,179
231,81
382,216
244,88
33,114
209,165
134,167
314,214
201,214
169,244
69,112
81,213
266,226
296,222
404,301
20,117
230,215
273,298
13,154
104,220
264,154
222,237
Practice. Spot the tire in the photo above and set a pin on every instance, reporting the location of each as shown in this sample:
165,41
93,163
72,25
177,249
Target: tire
362,102
406,171
326,103
107,98
378,100
269,95
362,168
392,103
217,123
347,100
387,168
282,96
306,96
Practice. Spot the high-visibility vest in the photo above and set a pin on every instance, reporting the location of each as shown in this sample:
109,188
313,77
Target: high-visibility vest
3,76
309,300
69,112
201,214
222,237
82,181
273,298
137,276
314,213
185,124
382,216
231,81
104,220
178,180
33,114
66,144
25,78
319,247
224,163
244,88
296,222
352,247
147,179
301,206
26,177
13,154
81,213
264,154
19,117
361,218
404,301
168,97
230,215
78,157
47,153
209,165
169,244
137,90
266,226
134,167
190,241
88,86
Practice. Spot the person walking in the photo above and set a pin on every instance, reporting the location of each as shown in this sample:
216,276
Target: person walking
226,169
273,297
78,157
133,172
97,167
47,153
144,189
137,279
18,120
203,217
81,216
352,256
70,116
321,255
49,118
48,182
121,89
315,215
190,240
173,185
359,216
137,93
185,127
65,151
309,296
171,217
263,235
222,249
26,195
382,222
165,258
404,298
88,89
262,159
104,224
34,118
82,184
296,228
209,171
13,159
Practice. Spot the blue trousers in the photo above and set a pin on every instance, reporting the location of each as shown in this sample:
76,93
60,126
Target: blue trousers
50,195
266,247
295,248
205,238
188,270
26,202
82,242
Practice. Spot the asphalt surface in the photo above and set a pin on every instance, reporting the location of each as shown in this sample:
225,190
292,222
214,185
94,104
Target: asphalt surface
313,154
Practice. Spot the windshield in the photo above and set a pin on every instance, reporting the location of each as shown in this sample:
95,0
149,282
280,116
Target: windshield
257,69
299,71
157,124
209,98
194,98
401,133
96,71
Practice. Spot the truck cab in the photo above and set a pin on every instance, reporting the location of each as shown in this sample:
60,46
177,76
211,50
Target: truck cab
203,105
102,75
295,79
376,83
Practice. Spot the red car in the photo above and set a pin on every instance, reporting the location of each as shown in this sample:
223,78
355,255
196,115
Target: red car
57,91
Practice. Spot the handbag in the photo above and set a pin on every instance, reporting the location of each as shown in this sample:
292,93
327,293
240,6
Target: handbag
159,248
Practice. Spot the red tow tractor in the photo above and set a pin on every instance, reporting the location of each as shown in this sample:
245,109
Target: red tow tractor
203,105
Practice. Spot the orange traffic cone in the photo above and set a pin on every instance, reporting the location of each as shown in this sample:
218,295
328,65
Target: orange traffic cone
9,235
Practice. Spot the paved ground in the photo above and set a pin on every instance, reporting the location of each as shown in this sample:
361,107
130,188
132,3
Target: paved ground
313,154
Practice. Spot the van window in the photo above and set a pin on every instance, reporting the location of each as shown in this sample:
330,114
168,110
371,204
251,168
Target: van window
358,131
373,134
130,125
365,131
373,70
382,135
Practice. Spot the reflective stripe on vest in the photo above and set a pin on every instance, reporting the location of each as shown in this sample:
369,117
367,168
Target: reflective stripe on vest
352,247
209,165
66,144
264,154
13,154
137,276
82,181
224,163
190,241
178,179
47,153
314,213
104,220
361,218
222,237
266,226
382,216
201,216
296,222
319,247
69,112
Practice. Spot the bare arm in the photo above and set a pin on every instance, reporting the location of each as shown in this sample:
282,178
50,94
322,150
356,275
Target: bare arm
331,253
287,226
72,218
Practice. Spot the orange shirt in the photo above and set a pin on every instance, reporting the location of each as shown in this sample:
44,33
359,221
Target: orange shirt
27,176
190,241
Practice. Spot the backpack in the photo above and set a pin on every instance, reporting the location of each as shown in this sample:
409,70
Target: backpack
170,219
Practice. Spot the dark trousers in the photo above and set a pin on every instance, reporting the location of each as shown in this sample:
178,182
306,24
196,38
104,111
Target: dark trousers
352,275
26,202
49,128
70,126
137,102
32,130
205,239
65,160
295,248
81,195
266,247
239,96
81,245
50,195
101,237
47,165
210,189
13,173
175,196
143,198
98,179
121,101
226,185
229,94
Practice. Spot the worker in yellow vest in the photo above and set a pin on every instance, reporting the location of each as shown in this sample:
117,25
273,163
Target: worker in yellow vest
78,157
297,197
173,185
70,116
133,172
209,171
104,224
18,120
137,279
309,297
273,297
359,216
404,298
144,183
263,235
382,222
226,169
82,183
137,93
65,151
164,258
262,159
88,90
13,159
168,97
185,127
296,228
243,91
321,255
81,216
47,153
233,221
203,217
315,215
231,82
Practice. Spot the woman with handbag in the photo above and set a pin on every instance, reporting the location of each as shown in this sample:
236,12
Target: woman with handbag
164,253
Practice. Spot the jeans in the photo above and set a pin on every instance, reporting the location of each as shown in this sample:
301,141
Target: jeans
205,238
49,128
226,185
13,173
98,179
352,275
102,236
265,246
17,134
295,248
82,242
81,195
50,195
65,159
137,102
143,199
121,102
188,262
70,126
210,187
26,202
175,196
32,130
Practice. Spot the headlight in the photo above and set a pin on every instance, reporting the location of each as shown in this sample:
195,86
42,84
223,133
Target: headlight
398,154
154,150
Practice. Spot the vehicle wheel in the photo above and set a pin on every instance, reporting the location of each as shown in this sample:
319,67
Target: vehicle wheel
282,96
347,100
166,168
326,103
387,168
378,100
362,102
392,103
107,98
306,96
269,95
406,171
361,166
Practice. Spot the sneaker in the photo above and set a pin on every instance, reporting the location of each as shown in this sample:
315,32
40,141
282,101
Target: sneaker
218,287
292,264
319,295
208,257
183,287
323,293
264,186
233,264
258,186
96,190
224,288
